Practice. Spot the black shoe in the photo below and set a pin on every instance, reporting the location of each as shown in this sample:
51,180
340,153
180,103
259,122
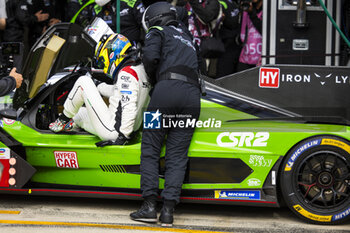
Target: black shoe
166,216
147,212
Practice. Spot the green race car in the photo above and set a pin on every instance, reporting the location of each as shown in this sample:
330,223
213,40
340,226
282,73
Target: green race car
243,152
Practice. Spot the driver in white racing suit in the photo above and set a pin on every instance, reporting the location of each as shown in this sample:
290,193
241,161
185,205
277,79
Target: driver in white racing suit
127,97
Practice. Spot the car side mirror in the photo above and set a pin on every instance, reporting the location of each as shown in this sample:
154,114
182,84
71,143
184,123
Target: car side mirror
8,113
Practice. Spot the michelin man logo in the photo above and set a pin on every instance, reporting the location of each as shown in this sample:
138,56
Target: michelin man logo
151,120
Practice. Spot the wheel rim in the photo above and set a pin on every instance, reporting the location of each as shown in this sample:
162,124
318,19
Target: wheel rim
323,179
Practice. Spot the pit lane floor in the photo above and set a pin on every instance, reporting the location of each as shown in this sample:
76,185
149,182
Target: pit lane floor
52,214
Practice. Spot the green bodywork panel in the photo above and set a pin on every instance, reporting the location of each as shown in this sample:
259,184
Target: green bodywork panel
262,144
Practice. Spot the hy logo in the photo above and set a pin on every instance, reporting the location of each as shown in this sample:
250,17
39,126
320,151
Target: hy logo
323,81
151,120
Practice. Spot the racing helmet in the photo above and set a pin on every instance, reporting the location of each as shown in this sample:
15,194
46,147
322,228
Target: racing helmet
159,14
111,52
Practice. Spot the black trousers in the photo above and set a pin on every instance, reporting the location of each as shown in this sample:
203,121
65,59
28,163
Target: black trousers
171,98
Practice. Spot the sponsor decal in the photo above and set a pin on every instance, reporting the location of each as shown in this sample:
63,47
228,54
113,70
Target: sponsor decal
156,120
124,12
125,86
8,121
238,195
184,41
323,81
146,85
341,215
111,55
298,152
315,217
296,78
66,159
336,143
4,153
254,182
125,98
259,161
92,30
308,78
242,139
269,77
342,79
338,79
126,92
1,124
24,7
122,38
273,77
125,78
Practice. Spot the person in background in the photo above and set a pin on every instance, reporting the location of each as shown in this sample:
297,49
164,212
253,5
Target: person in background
170,60
47,8
3,15
54,9
8,83
85,17
71,8
19,17
130,17
229,31
251,36
201,15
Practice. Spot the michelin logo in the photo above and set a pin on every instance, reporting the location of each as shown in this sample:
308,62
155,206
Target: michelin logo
341,215
238,195
298,152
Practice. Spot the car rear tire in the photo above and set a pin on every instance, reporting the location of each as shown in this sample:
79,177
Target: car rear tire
315,180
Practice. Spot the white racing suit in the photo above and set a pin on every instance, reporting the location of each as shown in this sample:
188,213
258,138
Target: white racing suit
127,99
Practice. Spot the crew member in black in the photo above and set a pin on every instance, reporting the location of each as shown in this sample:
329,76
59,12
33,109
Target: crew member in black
170,60
72,7
8,83
130,17
19,17
229,33
48,7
